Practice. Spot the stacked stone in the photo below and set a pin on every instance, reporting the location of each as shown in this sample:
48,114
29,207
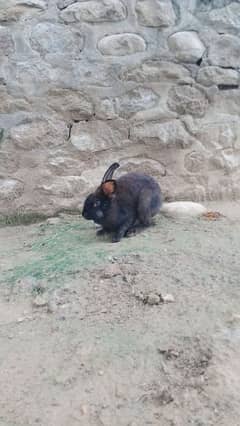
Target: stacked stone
153,84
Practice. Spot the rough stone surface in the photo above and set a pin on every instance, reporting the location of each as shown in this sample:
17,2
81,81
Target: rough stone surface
95,11
225,51
95,136
48,38
168,134
208,76
121,44
155,13
187,100
152,84
224,18
157,71
136,100
187,46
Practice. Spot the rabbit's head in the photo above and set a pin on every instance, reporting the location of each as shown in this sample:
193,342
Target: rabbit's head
98,203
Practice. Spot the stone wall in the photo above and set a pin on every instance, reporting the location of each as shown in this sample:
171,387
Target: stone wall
153,84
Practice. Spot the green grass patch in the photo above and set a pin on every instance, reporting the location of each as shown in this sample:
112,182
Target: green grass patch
64,249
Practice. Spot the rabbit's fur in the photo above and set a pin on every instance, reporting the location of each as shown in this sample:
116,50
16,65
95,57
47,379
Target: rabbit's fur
120,205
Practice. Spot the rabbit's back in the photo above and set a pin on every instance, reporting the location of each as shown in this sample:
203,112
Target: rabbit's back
135,182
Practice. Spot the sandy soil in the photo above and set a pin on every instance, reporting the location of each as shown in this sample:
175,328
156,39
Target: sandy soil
144,332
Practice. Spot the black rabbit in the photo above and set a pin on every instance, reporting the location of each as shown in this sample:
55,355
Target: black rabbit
121,205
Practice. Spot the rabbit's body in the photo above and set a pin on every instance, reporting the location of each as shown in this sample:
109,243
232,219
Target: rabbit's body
120,205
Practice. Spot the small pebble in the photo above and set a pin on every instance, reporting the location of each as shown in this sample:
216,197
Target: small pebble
168,298
53,221
83,409
40,301
153,299
111,270
51,307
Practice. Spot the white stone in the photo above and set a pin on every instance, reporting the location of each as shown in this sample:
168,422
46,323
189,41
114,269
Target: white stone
95,11
121,44
211,75
155,13
183,209
225,51
186,46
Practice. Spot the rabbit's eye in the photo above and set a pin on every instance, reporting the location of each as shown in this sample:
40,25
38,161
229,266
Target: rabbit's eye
96,204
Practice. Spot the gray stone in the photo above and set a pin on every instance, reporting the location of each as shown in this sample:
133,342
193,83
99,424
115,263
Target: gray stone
14,9
121,44
63,186
143,165
62,4
38,134
169,134
225,51
111,271
218,134
225,18
6,41
109,135
73,105
155,13
10,189
136,100
211,75
47,37
153,299
106,109
95,11
157,71
195,161
10,103
228,160
226,103
186,46
187,100
40,301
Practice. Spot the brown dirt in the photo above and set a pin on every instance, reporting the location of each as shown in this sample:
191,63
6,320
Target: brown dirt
81,345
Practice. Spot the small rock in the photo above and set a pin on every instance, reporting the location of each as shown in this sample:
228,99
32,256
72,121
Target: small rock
101,373
164,397
167,298
53,221
51,307
111,270
169,353
39,286
83,409
153,299
40,301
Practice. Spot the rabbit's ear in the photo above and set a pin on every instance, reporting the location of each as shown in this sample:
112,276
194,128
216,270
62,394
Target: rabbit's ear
109,187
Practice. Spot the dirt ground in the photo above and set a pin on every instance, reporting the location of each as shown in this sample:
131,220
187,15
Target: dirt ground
143,332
